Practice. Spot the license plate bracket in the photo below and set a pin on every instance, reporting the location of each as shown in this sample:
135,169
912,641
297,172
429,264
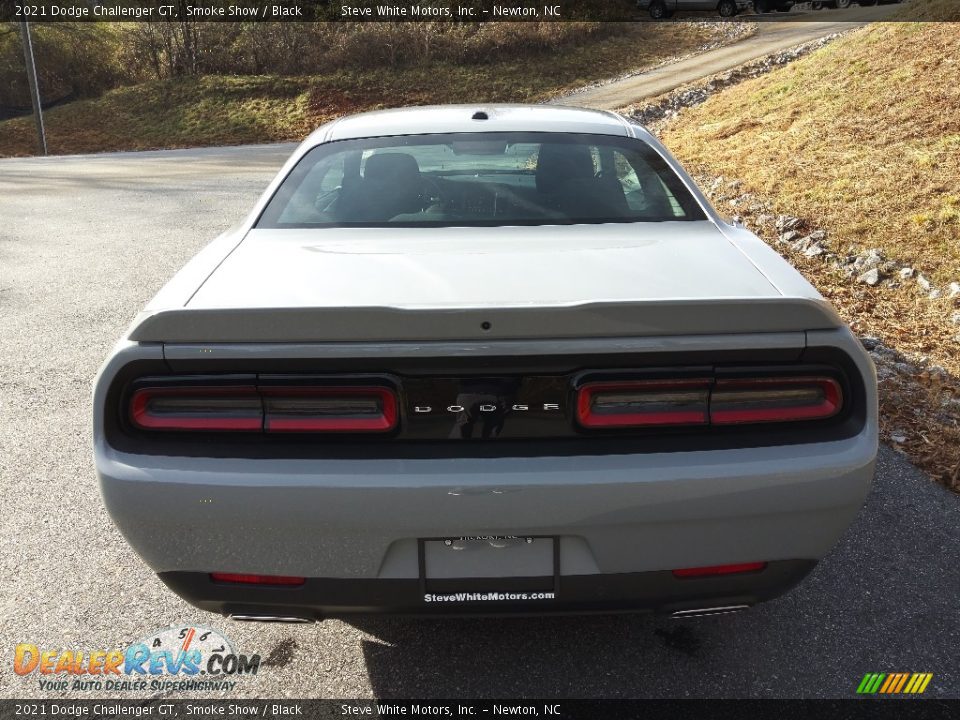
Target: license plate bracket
489,563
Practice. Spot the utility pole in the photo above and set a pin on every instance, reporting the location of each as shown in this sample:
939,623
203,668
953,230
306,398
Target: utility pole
34,87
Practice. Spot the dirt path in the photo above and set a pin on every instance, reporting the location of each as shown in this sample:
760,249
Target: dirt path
770,37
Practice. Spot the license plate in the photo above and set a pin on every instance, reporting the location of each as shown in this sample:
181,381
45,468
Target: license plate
488,556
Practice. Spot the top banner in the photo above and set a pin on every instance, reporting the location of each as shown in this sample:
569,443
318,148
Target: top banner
470,11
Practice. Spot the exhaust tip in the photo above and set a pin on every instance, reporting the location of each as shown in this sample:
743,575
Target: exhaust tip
271,618
703,612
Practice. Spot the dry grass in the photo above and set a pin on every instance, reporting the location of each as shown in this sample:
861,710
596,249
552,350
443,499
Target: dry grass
862,139
222,109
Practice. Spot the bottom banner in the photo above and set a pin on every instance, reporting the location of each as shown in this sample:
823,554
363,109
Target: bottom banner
569,709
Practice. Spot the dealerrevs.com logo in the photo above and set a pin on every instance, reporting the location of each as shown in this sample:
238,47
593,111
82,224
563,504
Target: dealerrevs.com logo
178,657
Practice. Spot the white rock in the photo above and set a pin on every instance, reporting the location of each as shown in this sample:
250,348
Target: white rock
955,318
813,250
934,294
953,289
906,273
787,222
870,277
924,283
898,438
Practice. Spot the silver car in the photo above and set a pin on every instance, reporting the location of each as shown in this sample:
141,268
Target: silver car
484,359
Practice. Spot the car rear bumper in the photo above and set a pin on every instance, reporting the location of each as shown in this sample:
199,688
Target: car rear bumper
621,523
659,591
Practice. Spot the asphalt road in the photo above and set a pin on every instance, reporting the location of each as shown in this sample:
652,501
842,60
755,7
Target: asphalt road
86,241
770,37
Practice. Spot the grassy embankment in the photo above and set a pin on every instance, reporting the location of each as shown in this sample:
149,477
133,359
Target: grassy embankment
862,139
223,109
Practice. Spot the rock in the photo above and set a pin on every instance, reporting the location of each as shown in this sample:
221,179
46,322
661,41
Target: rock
872,258
818,235
898,438
869,342
764,220
789,236
955,318
906,273
953,289
813,250
787,222
934,294
870,277
924,283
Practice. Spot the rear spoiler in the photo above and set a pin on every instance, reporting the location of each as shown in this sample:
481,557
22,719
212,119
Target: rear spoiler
390,324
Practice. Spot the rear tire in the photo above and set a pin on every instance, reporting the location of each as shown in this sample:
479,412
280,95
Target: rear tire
840,4
727,8
658,11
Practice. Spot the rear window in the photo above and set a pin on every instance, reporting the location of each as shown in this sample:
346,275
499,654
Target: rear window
479,179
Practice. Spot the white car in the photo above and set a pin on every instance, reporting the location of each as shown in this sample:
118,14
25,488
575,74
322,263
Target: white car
484,359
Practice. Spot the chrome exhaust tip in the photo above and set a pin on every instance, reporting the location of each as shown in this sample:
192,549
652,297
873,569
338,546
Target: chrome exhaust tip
703,612
271,618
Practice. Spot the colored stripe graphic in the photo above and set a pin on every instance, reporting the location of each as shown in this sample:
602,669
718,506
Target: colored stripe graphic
894,683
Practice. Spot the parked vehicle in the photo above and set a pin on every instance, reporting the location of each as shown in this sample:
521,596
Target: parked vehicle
661,9
765,6
497,359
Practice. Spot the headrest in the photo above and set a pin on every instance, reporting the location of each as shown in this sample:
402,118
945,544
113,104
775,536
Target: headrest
559,163
391,168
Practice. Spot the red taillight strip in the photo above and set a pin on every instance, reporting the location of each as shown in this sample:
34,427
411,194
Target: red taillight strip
725,401
741,390
695,388
244,419
250,579
246,408
277,421
712,570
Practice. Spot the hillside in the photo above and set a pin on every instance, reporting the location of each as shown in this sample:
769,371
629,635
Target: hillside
221,109
860,140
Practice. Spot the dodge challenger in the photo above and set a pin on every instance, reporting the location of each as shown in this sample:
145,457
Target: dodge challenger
494,359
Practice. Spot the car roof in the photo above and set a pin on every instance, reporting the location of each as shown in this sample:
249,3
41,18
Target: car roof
475,118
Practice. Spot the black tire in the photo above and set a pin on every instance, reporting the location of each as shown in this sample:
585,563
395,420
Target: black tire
727,8
841,4
658,11
817,5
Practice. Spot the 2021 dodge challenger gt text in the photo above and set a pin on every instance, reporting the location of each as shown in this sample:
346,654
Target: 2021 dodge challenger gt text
484,360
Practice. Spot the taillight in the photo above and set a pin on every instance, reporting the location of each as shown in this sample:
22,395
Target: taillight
707,401
215,409
249,579
756,400
643,402
713,570
329,409
271,409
